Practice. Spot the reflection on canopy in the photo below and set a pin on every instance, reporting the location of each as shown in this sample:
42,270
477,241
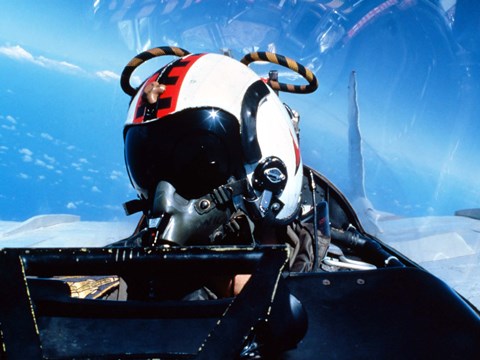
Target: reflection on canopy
416,71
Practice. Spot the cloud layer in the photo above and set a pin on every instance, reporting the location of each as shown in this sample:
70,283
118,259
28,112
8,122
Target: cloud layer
16,52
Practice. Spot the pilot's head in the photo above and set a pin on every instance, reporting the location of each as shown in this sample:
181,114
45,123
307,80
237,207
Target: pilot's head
207,138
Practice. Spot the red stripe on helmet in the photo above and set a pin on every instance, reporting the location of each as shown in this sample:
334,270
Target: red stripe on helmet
173,78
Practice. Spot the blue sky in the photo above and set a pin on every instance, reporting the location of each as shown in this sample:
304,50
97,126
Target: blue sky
57,30
61,115
61,143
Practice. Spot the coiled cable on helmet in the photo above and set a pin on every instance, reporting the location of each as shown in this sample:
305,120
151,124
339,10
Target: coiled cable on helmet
140,59
288,63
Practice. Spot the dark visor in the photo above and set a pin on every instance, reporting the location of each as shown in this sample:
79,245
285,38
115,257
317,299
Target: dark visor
195,150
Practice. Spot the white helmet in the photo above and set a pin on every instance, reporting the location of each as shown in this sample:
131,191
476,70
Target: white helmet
207,122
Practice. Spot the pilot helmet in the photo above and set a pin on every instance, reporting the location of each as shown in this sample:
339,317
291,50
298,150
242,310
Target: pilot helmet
205,138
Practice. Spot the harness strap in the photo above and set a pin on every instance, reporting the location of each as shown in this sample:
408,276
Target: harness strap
224,194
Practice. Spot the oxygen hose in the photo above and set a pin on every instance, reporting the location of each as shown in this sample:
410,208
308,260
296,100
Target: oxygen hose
368,248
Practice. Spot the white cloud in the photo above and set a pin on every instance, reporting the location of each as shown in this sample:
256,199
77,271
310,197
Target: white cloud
42,163
11,122
9,127
107,75
27,154
95,189
46,136
10,119
76,166
115,174
25,151
23,176
71,205
50,159
83,161
59,65
18,53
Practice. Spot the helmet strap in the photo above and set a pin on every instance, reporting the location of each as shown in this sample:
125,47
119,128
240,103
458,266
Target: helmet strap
135,206
225,195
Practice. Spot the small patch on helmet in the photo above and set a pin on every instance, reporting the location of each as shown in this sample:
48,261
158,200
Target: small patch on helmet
160,91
